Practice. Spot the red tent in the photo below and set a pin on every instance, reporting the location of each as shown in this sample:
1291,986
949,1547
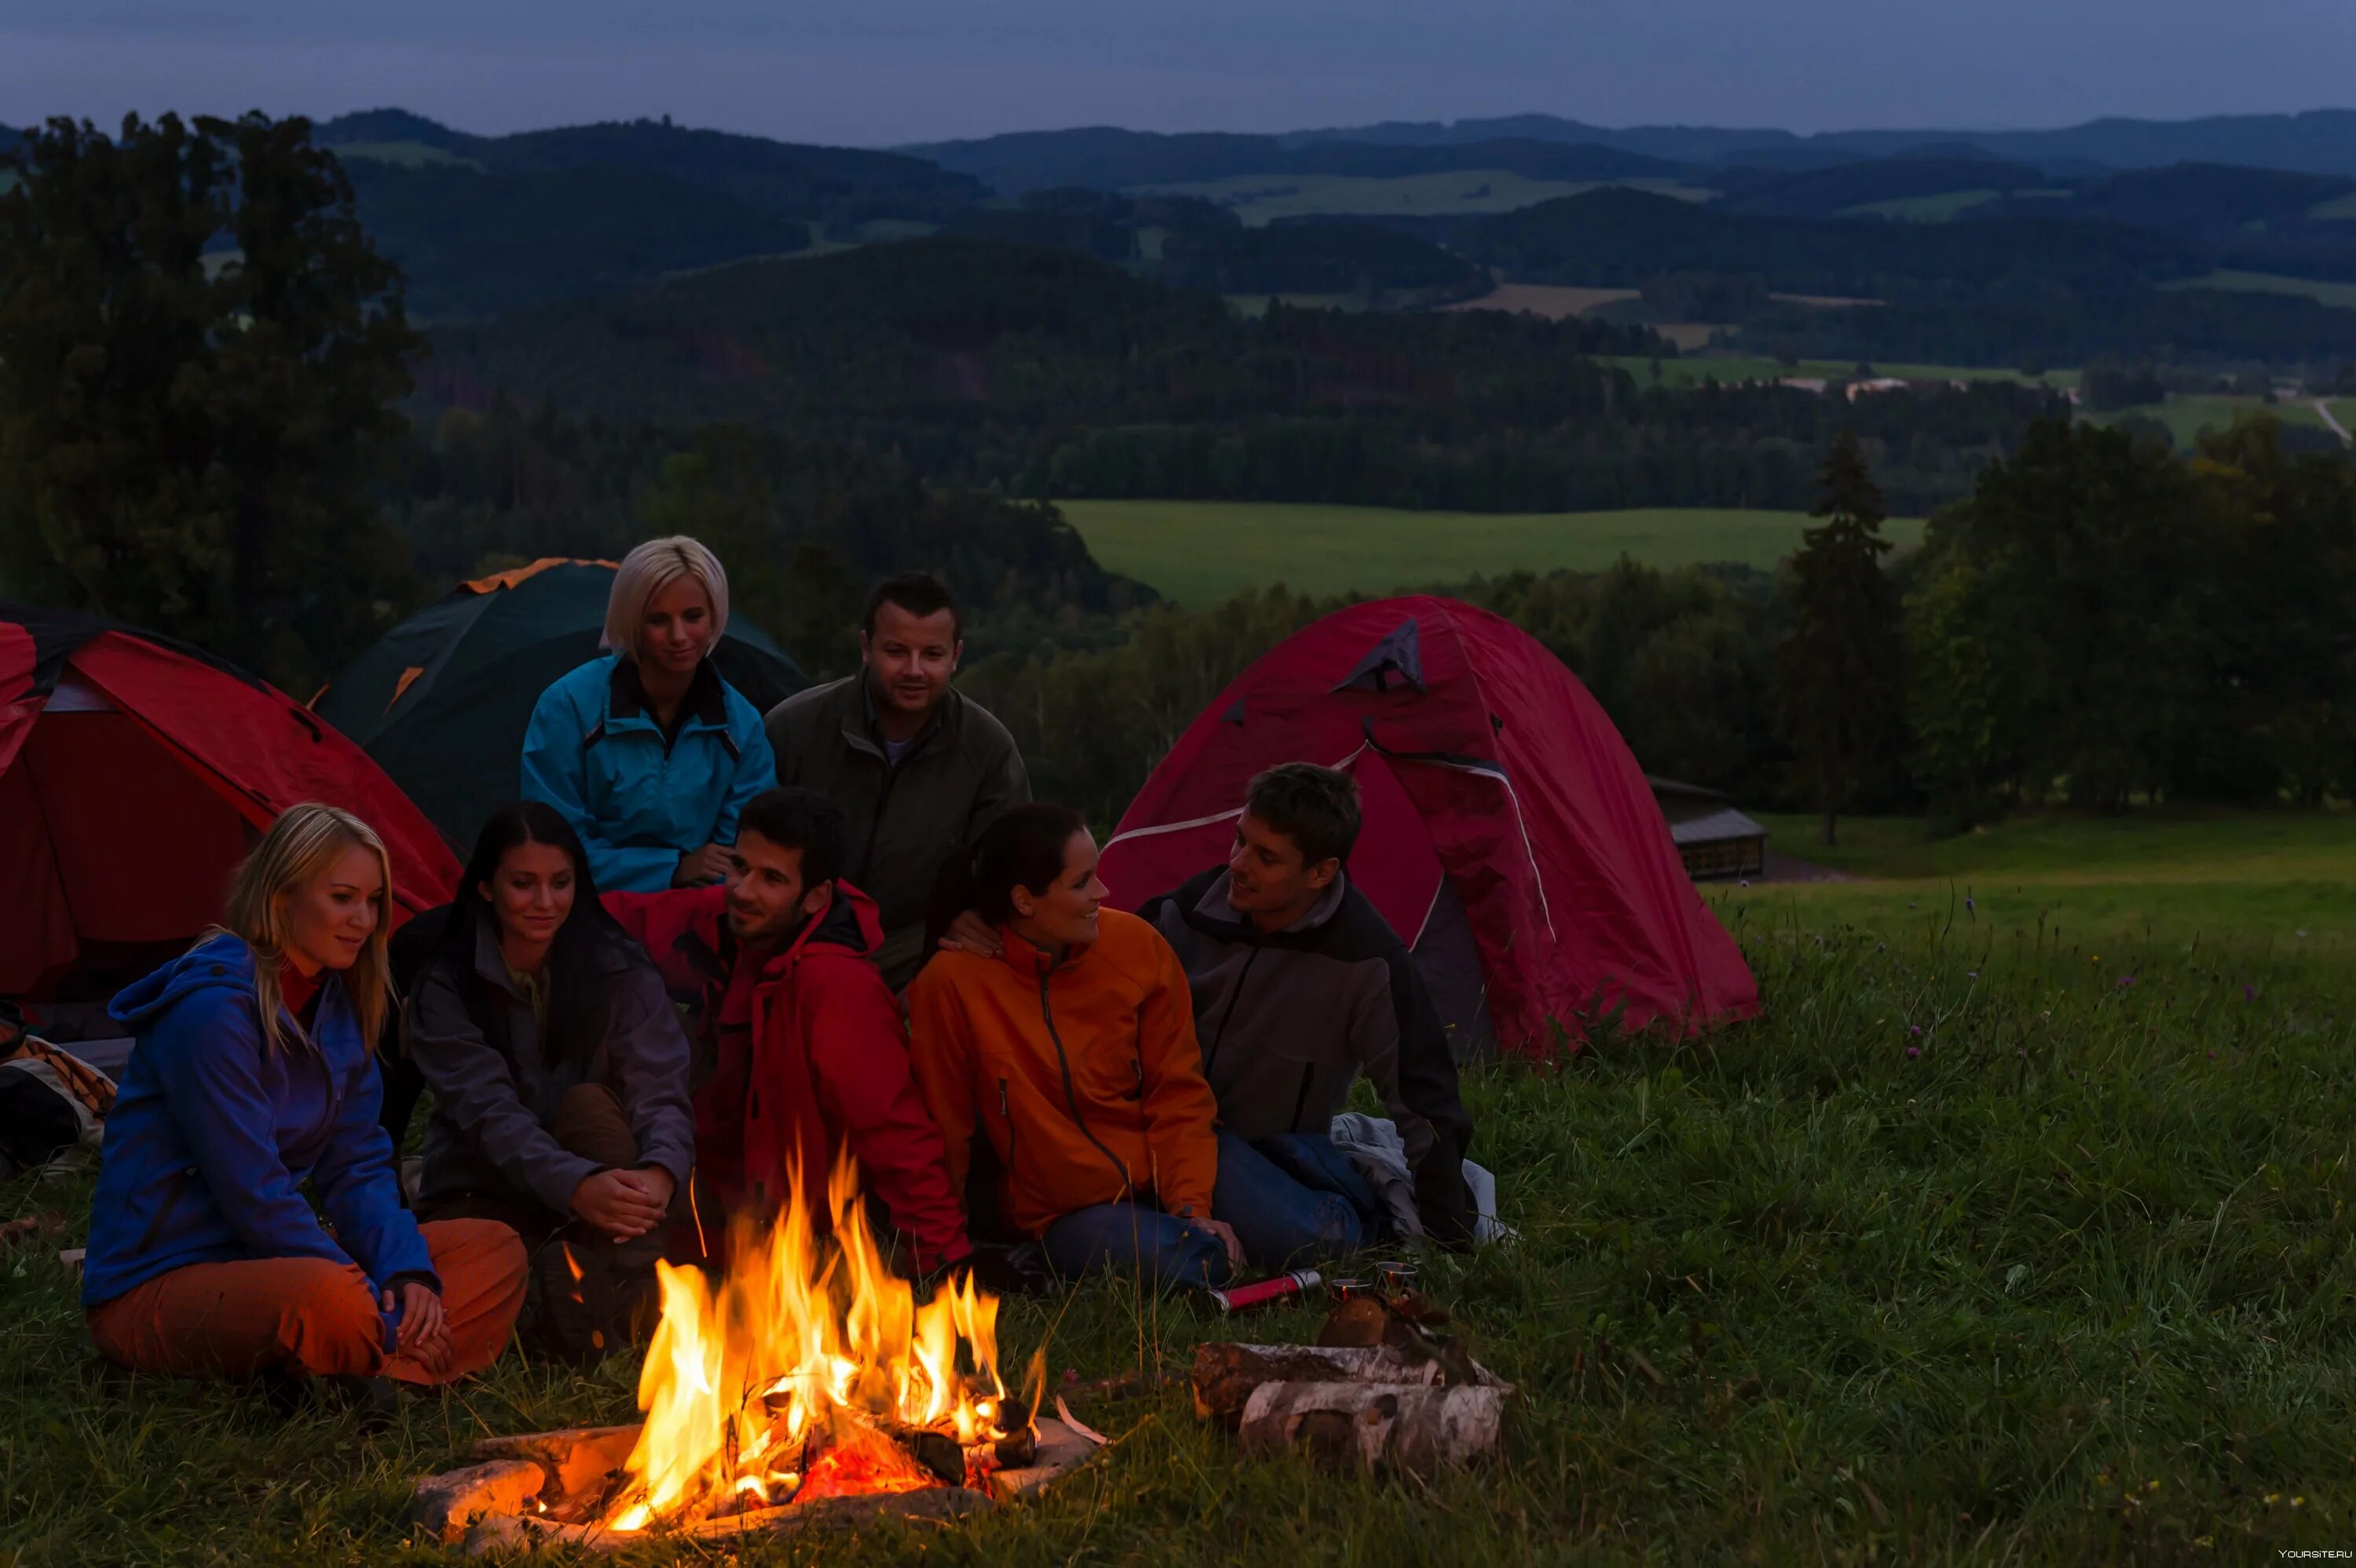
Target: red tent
1509,834
134,773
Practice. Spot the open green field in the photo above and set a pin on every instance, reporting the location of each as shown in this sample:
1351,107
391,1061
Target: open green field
1200,552
2341,294
1692,369
2339,206
1982,1244
2272,881
1938,208
408,154
2187,416
1261,199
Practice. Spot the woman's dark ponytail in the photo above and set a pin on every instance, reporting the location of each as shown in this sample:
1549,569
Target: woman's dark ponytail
1024,847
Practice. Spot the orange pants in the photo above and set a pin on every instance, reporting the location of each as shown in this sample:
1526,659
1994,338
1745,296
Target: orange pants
311,1316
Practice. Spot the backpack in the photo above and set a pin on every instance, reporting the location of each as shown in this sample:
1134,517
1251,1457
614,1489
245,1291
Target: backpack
52,1105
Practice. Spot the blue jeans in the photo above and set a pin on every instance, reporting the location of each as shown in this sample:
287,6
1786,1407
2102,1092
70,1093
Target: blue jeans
1293,1200
1156,1246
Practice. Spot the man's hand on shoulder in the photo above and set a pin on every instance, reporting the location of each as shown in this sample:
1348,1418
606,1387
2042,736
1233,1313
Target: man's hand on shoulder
969,933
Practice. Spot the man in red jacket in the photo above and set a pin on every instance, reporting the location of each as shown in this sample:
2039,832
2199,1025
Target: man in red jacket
799,1052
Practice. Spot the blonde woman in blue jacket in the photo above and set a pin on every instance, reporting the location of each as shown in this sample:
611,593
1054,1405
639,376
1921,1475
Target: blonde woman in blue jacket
647,752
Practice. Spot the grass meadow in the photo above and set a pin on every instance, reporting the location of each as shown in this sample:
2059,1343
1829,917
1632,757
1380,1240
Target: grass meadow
2340,295
1984,1243
1261,199
2187,415
1200,552
1692,369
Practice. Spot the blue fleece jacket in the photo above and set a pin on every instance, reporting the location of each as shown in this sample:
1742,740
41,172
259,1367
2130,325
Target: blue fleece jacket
213,1134
639,798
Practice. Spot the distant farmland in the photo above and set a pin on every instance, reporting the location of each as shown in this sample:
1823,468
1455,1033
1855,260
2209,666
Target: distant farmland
1261,199
1553,302
1200,552
1691,370
2342,295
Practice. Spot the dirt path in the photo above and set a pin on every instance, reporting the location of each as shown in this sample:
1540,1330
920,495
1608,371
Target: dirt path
2323,407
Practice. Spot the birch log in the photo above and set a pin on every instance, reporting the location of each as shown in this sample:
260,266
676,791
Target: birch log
1413,1427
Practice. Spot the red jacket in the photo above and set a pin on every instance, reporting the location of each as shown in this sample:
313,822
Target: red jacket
825,1065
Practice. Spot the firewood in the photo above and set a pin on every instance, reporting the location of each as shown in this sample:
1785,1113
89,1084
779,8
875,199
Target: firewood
1419,1430
1225,1375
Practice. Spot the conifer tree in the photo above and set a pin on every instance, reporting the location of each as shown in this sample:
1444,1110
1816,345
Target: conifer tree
1843,689
200,362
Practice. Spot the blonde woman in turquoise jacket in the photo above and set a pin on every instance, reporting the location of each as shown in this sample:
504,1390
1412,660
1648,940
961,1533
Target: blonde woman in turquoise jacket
647,752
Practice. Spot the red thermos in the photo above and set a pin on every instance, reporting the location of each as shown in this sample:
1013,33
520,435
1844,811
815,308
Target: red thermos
1242,1298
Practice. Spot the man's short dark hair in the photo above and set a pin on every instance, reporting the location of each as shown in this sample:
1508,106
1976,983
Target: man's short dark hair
920,594
1315,807
800,819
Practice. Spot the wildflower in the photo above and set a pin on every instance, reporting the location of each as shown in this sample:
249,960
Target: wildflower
1969,906
2073,1073
2212,1056
2151,1486
1913,1051
2250,992
1971,974
2299,1502
2125,981
1914,1029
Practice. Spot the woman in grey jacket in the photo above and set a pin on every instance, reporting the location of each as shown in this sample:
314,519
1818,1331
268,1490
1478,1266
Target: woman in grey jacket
559,1077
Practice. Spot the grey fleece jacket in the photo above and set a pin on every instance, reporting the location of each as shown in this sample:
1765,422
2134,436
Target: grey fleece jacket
477,1044
908,819
1289,1020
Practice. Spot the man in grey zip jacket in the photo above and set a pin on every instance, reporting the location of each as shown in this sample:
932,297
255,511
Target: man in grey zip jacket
1299,986
918,768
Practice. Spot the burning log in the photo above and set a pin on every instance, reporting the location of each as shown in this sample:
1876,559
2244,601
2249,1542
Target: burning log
444,1505
547,1488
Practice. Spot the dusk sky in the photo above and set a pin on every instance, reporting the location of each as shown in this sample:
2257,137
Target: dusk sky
876,72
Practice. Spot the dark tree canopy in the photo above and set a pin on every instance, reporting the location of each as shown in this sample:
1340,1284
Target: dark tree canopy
1843,694
200,359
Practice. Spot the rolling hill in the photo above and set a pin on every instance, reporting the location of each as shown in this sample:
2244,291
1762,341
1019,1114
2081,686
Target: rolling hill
2319,141
1107,158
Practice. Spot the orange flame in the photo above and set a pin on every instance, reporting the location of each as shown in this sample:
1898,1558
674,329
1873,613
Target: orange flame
802,1337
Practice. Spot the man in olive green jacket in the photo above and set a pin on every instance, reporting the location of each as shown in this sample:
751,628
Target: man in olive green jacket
919,770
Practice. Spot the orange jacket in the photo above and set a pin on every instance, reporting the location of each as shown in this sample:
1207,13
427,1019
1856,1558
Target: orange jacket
1084,1075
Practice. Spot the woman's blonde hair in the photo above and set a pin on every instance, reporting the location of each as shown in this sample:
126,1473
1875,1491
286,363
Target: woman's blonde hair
297,851
647,572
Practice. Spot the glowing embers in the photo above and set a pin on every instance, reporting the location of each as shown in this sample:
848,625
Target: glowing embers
809,1372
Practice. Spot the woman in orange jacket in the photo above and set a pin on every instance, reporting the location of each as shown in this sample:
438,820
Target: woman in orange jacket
1072,1050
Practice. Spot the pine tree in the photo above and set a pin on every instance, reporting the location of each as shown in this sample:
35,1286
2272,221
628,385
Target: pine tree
1843,688
200,359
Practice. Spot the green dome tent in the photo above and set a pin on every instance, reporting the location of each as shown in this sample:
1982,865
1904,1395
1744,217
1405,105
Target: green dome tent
442,700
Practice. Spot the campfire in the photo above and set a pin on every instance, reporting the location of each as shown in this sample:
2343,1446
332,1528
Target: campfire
809,1373
806,1381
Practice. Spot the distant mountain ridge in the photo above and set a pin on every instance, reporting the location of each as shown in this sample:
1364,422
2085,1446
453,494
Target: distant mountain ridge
1105,157
2317,142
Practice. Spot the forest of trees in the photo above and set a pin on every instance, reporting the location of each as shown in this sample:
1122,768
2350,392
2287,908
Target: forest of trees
1041,373
202,431
2101,621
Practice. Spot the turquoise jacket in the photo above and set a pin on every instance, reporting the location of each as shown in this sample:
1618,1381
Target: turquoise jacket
639,798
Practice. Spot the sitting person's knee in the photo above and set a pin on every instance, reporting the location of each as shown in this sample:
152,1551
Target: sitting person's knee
590,1122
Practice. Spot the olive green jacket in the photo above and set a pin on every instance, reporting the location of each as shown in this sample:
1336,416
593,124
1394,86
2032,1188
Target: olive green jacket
905,821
